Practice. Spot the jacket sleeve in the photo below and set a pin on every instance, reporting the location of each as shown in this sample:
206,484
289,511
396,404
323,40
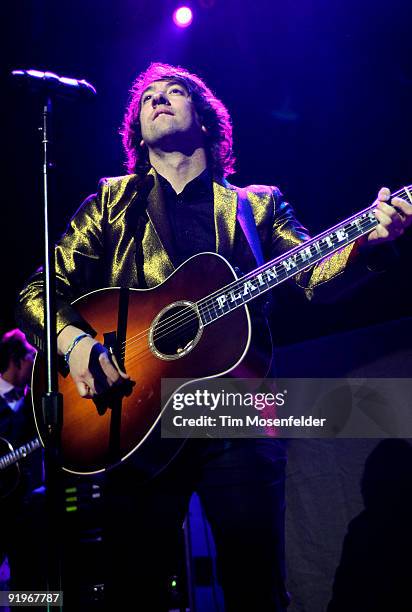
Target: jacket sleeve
79,262
335,275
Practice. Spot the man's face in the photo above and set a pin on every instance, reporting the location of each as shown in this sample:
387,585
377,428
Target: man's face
167,113
24,369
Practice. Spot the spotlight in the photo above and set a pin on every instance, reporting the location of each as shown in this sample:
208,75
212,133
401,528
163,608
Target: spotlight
183,16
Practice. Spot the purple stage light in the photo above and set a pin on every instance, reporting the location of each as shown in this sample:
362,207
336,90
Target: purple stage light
183,16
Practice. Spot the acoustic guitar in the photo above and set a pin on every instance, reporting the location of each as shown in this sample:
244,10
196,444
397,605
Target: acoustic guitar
194,325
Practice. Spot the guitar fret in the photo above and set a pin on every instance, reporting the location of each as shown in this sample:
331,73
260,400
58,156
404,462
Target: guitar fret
214,309
205,315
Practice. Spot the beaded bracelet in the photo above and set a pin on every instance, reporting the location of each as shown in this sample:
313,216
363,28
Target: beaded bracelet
73,343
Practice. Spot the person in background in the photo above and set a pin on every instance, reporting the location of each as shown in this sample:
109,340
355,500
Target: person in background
21,488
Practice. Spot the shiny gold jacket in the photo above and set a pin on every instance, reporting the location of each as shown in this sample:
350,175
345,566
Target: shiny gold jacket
121,237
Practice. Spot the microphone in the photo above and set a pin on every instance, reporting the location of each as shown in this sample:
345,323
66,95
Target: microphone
49,82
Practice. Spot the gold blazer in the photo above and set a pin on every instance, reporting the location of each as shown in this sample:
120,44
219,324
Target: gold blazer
121,237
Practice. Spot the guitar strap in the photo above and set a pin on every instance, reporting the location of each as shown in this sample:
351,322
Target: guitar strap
248,225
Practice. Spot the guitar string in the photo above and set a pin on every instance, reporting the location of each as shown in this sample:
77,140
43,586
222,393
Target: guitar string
171,333
206,302
187,318
255,272
19,453
203,307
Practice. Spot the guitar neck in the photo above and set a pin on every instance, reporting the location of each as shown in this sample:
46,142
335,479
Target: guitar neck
291,263
19,453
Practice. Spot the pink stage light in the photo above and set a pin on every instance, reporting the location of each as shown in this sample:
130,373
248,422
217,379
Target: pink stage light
183,16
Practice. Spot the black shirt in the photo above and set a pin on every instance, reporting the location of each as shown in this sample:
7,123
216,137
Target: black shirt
191,216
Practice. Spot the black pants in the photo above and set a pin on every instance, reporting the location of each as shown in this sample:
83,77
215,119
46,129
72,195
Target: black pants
241,486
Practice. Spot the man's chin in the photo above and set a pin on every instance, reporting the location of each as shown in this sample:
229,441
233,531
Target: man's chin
172,138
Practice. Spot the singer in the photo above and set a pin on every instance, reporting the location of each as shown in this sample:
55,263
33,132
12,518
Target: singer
174,202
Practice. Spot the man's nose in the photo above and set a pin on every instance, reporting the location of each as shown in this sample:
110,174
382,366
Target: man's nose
160,98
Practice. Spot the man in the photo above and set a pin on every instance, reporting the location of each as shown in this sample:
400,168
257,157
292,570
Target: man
174,203
22,498
16,364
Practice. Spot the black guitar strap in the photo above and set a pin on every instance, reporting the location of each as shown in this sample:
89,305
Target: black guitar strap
248,225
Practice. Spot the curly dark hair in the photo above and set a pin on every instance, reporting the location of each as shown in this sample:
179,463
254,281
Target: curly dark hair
211,111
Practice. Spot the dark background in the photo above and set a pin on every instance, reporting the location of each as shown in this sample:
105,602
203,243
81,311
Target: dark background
320,94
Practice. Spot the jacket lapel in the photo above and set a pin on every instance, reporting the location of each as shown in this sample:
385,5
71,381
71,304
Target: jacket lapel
225,208
156,210
157,240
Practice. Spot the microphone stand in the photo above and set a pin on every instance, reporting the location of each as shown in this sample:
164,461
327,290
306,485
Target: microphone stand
50,85
52,400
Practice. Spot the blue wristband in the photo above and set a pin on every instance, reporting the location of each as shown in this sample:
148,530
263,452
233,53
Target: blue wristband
73,343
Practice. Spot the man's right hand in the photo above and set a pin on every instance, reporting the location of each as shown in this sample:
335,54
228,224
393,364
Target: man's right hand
105,375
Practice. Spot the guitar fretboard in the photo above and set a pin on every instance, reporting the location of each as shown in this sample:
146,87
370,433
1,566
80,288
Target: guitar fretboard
278,270
19,453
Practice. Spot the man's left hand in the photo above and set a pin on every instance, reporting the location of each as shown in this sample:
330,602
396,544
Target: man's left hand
394,218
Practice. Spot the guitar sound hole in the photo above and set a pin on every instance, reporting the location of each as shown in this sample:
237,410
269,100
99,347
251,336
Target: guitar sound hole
175,331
